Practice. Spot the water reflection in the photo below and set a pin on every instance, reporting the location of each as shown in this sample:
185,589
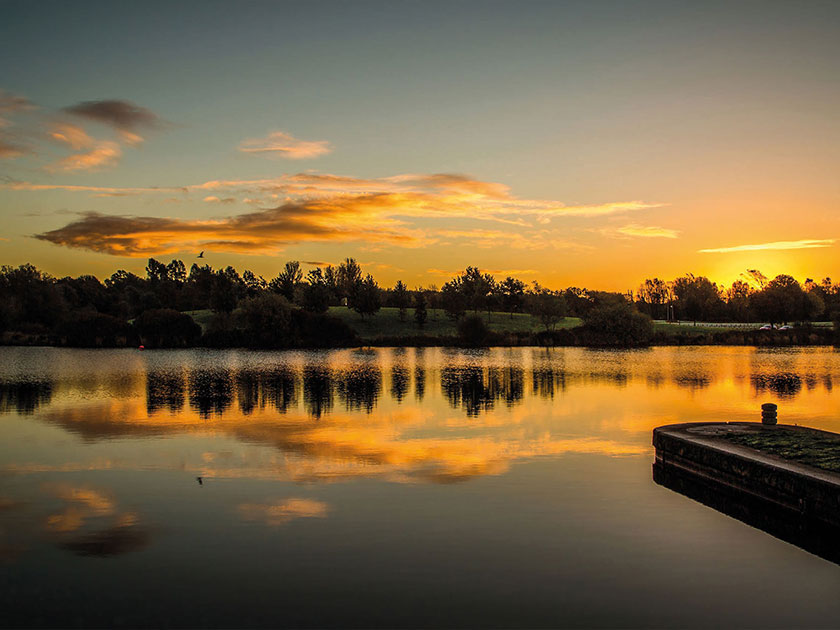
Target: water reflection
165,389
814,536
317,390
216,463
476,389
25,396
359,387
211,391
785,385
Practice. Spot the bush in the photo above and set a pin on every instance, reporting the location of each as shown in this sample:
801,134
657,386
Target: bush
266,321
473,331
166,328
315,330
89,329
617,324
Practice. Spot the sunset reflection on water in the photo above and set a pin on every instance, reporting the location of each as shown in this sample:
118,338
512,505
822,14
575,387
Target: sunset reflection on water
113,453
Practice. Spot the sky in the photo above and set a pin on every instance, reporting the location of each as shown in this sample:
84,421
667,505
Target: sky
590,144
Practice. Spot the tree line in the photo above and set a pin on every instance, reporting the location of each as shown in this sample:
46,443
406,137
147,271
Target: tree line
291,309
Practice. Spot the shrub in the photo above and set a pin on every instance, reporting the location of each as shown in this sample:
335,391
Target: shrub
617,324
266,321
473,331
89,329
166,328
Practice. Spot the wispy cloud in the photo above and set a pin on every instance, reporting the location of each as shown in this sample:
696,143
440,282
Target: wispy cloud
776,245
103,155
71,135
647,231
282,144
10,145
322,207
282,512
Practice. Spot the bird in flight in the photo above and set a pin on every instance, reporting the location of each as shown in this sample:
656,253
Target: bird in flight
201,255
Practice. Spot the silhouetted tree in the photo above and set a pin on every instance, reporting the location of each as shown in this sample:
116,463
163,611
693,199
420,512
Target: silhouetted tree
546,306
316,293
420,309
453,299
266,321
367,301
401,299
513,294
349,277
287,280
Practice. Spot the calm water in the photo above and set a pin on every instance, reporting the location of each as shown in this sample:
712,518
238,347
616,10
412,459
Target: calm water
437,487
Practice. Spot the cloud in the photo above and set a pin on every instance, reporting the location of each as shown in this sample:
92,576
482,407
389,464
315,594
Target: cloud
124,116
10,146
264,231
215,199
644,231
72,135
9,149
776,245
321,207
11,103
105,154
285,145
282,512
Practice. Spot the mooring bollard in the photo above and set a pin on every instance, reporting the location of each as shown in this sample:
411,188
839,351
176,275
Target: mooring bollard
768,413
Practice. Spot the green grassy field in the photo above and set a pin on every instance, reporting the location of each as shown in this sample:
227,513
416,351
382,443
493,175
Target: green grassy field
386,323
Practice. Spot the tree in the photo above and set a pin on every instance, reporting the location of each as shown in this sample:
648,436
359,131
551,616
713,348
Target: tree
477,288
156,271
738,300
266,320
287,280
512,292
781,300
349,278
367,301
420,308
176,271
316,294
546,306
453,300
656,293
697,297
401,299
254,285
222,293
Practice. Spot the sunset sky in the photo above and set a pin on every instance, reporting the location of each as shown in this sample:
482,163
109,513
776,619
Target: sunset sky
589,144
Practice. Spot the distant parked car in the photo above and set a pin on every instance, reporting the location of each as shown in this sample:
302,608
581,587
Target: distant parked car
766,327
786,327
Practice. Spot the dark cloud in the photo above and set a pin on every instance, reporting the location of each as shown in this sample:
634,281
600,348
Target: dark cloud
334,219
123,115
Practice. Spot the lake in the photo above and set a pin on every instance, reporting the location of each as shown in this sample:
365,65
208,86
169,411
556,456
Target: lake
508,487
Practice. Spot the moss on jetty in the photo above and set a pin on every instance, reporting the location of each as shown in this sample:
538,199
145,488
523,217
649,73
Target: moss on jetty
803,446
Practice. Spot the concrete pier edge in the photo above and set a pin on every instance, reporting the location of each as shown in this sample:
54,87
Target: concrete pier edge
811,492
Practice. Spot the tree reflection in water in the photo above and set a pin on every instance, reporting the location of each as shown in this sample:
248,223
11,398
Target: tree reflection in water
475,389
211,391
165,389
317,390
24,396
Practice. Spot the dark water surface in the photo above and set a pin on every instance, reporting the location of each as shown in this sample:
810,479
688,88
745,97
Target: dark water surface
436,487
